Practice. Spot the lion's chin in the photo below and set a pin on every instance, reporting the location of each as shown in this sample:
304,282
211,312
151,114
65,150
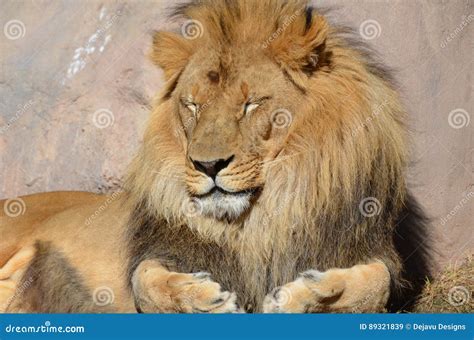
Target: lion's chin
224,205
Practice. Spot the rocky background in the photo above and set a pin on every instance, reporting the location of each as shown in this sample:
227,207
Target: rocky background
76,89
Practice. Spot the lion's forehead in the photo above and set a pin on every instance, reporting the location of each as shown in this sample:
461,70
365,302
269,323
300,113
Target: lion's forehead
215,75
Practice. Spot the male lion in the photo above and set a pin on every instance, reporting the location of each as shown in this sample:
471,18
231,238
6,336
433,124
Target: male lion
271,178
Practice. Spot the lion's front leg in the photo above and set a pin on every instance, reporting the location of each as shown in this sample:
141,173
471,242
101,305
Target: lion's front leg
157,290
359,289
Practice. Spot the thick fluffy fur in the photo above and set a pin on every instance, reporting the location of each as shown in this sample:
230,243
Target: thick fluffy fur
347,144
52,285
300,187
62,252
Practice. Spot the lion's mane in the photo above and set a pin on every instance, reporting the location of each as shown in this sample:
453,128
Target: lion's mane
310,211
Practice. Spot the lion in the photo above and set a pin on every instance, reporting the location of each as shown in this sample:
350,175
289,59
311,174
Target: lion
271,178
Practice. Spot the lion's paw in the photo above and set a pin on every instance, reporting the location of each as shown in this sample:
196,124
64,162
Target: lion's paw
294,297
197,293
359,289
157,290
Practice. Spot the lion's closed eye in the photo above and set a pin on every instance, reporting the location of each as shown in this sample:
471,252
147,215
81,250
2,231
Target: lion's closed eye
249,107
190,105
252,104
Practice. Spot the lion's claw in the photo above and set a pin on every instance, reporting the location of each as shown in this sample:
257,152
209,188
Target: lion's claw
158,290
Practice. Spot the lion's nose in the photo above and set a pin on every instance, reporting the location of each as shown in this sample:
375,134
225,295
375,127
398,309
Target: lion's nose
212,168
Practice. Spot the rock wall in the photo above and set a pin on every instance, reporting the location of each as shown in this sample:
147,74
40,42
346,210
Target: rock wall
76,88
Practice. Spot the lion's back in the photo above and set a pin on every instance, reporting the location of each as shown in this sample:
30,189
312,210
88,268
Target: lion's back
23,218
75,235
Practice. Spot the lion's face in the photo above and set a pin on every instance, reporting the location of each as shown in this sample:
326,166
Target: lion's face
236,111
239,95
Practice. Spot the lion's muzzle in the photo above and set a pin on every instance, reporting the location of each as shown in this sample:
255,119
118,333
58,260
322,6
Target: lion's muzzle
212,168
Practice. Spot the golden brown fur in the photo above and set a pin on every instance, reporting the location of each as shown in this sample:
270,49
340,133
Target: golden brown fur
346,143
55,228
305,181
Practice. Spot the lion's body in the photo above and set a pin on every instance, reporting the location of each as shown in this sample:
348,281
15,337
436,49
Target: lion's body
289,196
91,247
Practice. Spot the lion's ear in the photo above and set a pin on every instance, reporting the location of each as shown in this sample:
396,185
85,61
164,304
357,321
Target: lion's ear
302,44
171,52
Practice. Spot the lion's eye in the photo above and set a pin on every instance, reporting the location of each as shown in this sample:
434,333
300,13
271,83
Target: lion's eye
252,104
249,107
193,107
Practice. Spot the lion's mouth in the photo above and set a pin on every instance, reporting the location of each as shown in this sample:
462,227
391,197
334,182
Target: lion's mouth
217,191
222,204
